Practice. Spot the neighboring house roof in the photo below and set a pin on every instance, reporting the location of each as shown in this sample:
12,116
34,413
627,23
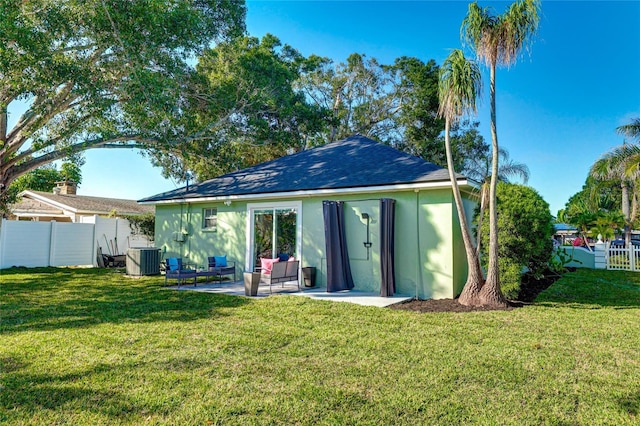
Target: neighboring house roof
354,162
38,202
559,227
28,206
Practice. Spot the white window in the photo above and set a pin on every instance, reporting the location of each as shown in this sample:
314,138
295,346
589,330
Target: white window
210,219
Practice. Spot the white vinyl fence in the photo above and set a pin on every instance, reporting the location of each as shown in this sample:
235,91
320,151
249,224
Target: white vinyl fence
34,244
623,258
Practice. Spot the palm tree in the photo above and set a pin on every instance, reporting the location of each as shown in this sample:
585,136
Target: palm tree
602,229
629,156
458,87
621,163
584,221
498,40
478,168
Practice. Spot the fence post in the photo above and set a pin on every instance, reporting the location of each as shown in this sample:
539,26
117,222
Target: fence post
632,257
52,243
600,260
94,246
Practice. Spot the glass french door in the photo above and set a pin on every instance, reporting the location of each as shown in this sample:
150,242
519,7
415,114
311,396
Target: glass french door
274,230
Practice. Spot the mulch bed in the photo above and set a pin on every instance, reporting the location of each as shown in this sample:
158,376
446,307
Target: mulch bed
530,288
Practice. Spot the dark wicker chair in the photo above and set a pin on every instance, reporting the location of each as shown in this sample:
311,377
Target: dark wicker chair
174,270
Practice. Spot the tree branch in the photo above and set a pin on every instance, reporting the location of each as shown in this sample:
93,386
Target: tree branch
15,171
51,142
30,118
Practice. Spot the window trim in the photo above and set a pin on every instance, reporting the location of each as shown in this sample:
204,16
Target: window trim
212,215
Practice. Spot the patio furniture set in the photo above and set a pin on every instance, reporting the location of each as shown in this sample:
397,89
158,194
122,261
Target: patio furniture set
273,272
218,267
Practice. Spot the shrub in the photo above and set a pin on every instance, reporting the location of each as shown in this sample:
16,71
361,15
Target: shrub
510,276
143,224
525,228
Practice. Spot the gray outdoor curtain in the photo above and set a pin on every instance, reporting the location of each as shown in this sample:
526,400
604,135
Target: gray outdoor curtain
387,249
338,268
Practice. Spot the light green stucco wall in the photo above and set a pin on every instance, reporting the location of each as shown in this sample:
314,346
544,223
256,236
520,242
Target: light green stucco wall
229,239
429,254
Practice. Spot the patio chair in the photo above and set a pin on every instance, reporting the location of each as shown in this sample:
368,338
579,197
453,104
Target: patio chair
282,272
175,270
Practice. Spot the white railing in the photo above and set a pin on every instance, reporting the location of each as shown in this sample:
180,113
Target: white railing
622,258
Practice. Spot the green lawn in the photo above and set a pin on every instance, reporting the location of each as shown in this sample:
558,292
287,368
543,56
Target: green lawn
83,346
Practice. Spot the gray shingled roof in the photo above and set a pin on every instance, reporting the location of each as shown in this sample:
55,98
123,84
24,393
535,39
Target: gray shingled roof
28,205
350,163
87,204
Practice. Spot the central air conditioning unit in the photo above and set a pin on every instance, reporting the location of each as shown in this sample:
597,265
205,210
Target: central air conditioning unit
143,261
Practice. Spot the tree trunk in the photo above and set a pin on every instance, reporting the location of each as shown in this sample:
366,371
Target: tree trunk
334,128
634,205
3,127
625,212
483,206
471,291
491,294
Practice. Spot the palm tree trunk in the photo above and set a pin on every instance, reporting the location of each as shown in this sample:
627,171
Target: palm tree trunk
625,212
491,294
634,205
471,291
484,192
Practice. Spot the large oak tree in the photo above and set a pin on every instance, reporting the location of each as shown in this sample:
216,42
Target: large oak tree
99,73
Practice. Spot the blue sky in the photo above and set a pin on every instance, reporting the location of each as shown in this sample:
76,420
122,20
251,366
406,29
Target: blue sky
557,108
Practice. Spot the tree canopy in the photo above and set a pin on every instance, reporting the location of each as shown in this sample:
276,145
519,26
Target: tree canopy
121,74
247,109
258,100
99,73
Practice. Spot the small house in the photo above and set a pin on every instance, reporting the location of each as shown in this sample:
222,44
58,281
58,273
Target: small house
353,206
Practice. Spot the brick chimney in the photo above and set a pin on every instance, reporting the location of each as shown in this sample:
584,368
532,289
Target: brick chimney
65,187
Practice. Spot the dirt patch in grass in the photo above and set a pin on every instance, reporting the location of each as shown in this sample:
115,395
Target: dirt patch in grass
530,288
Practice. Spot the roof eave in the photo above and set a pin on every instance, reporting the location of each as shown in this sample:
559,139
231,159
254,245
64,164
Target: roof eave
464,183
48,200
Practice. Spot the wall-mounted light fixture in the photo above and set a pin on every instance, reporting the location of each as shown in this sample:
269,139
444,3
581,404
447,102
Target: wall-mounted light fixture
227,203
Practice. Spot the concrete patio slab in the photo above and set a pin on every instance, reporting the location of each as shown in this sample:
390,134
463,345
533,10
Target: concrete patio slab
350,296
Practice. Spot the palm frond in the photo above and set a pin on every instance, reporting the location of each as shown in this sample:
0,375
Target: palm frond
631,130
519,25
621,162
498,40
459,84
510,168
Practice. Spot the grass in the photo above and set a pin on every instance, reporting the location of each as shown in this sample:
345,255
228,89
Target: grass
84,346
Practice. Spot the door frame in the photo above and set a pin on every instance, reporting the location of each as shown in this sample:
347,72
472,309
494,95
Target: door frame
251,209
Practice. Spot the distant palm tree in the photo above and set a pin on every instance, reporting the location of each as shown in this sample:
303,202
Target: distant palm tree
498,40
478,168
584,221
459,83
621,163
602,229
